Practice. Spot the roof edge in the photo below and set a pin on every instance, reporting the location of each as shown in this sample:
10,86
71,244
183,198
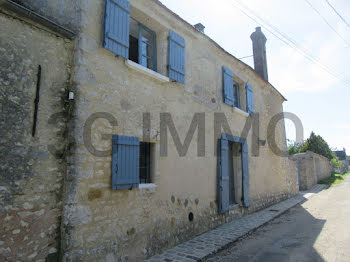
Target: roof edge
218,46
37,18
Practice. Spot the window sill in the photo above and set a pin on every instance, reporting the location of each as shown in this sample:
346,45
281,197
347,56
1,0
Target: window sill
146,71
146,189
147,186
240,111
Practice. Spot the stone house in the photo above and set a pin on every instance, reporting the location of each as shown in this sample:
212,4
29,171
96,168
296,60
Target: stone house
102,166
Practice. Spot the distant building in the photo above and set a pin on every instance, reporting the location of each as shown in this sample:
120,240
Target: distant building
341,154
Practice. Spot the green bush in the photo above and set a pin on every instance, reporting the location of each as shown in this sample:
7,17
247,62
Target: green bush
334,179
294,148
336,163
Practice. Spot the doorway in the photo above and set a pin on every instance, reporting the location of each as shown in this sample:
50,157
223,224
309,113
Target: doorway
233,172
236,174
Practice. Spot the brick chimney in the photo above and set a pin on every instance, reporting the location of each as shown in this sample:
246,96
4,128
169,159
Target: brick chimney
259,51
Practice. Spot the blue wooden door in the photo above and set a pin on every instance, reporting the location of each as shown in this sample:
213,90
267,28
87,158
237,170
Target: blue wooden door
223,176
246,182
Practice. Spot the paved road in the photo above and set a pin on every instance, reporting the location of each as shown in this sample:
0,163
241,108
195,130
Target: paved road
318,230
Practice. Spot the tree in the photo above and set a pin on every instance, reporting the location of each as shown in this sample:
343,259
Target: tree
318,145
294,148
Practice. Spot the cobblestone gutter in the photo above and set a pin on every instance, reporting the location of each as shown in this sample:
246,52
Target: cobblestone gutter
215,240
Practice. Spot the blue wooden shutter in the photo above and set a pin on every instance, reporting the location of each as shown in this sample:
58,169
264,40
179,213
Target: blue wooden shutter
116,27
250,105
246,192
176,57
142,50
236,96
223,176
227,80
125,162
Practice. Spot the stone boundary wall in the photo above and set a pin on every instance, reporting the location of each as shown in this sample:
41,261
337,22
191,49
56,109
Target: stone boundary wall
346,164
312,168
344,169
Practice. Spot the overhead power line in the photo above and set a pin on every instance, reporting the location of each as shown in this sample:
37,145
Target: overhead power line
286,39
325,20
335,10
248,56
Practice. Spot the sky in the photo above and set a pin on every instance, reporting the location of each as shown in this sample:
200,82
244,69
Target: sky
319,98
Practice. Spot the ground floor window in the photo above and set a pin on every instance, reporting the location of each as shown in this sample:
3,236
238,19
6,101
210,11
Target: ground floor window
131,162
145,163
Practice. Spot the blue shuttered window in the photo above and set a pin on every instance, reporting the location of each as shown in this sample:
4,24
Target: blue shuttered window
223,176
176,57
116,27
125,162
227,79
250,105
246,191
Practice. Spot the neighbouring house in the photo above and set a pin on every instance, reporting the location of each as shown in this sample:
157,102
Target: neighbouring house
35,74
100,101
341,154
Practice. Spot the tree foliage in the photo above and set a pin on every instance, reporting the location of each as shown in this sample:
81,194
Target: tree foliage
315,143
294,148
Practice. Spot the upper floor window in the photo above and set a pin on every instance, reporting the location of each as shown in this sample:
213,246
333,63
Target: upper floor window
142,45
236,95
232,94
132,40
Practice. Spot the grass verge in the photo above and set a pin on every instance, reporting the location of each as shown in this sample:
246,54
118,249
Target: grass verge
334,179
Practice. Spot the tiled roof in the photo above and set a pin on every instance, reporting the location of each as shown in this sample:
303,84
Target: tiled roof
340,154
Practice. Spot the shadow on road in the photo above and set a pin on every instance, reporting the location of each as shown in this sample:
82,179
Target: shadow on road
290,237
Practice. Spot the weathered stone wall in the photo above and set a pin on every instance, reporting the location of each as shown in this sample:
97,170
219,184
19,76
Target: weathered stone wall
31,171
345,166
105,225
313,168
292,177
323,167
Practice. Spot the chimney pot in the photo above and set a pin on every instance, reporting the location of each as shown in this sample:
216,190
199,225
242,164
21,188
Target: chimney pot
259,52
200,27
